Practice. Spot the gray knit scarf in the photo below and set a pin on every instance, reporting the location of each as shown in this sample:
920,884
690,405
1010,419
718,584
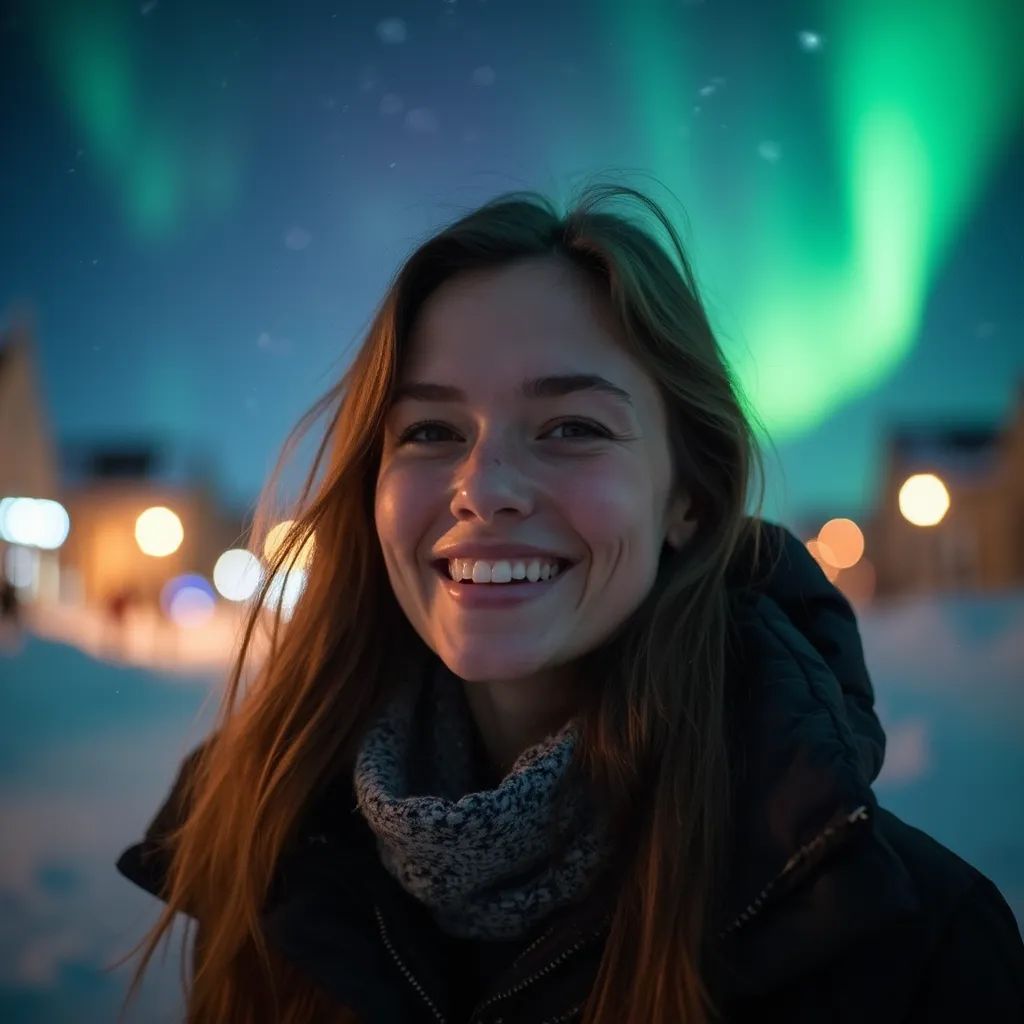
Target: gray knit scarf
479,858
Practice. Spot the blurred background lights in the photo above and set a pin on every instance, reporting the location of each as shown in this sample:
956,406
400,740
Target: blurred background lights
188,600
286,588
158,532
924,500
277,535
34,522
21,566
841,542
5,504
237,574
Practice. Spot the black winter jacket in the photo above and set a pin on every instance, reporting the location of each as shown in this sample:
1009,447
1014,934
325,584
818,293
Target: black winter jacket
837,911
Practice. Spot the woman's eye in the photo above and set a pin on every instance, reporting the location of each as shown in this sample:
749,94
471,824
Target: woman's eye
589,429
409,435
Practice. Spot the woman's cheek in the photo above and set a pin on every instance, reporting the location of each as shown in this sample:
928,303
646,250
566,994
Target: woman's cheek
604,510
398,509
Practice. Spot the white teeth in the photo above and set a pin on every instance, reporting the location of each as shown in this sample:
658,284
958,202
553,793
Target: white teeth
501,571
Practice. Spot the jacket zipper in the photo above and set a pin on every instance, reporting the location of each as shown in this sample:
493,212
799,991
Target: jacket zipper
410,977
810,852
825,840
526,982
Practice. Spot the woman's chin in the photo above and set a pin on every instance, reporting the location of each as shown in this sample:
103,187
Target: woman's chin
493,665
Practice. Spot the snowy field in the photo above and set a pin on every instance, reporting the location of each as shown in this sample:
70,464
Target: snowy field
88,748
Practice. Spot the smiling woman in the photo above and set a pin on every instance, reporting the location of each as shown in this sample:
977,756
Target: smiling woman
568,469
556,730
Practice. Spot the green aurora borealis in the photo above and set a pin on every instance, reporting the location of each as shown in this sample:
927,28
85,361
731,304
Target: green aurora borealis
823,205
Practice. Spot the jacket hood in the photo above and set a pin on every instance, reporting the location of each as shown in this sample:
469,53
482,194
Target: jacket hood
810,870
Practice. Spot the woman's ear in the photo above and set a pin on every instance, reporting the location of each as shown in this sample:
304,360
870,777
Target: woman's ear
679,527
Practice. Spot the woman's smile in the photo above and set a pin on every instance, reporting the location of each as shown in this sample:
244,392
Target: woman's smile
476,592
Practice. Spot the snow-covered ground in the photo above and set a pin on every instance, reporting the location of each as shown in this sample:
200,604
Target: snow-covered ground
92,727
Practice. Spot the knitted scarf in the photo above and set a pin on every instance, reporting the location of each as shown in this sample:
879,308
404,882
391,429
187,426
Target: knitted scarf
479,858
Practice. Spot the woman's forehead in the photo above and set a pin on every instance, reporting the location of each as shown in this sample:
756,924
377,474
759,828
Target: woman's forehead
528,299
523,321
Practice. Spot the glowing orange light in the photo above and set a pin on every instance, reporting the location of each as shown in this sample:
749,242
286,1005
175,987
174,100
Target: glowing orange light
842,543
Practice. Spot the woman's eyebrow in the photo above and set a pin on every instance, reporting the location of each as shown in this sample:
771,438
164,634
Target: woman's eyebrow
534,387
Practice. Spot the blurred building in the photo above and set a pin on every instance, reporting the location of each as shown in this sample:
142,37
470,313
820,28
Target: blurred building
28,458
106,488
978,544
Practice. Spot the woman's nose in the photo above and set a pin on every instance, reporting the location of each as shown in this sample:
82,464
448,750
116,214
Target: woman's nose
488,483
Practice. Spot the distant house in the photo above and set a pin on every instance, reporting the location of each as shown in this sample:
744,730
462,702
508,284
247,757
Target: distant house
979,543
28,458
107,487
104,486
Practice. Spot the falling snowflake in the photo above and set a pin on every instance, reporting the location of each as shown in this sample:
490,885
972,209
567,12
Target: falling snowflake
297,238
770,151
268,343
391,103
484,75
148,7
421,120
391,30
809,41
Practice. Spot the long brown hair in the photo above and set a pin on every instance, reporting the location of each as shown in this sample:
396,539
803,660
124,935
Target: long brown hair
654,734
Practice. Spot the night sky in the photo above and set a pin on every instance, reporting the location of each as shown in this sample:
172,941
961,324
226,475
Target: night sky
204,202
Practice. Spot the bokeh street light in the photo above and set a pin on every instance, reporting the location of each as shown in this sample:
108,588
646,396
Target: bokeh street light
237,574
158,532
277,535
34,522
841,542
924,500
188,600
285,589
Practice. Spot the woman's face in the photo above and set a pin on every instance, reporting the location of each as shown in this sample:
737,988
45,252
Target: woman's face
522,433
